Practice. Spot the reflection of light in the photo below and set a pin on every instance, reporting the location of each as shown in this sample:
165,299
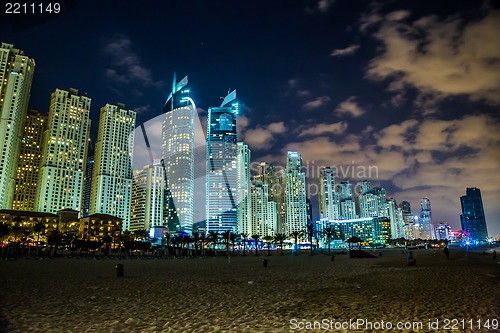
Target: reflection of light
468,243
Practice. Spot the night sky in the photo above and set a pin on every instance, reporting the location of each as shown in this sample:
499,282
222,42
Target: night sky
414,91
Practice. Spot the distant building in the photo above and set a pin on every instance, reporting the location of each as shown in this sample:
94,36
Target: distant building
329,203
443,232
472,218
295,194
243,189
112,172
30,158
372,230
88,182
395,215
368,201
426,226
268,175
263,217
16,75
147,202
64,154
96,226
222,170
347,204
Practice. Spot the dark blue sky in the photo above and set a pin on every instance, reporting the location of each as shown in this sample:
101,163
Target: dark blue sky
412,88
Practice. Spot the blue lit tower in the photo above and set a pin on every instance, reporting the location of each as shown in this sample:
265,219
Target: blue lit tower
222,172
472,218
178,154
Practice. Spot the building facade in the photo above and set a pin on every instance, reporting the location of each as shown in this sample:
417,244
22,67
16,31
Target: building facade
425,221
112,172
221,169
30,158
472,218
295,194
329,203
347,204
263,217
244,201
64,153
178,156
16,75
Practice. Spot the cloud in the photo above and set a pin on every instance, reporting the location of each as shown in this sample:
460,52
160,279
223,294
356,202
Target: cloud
316,103
324,5
127,64
347,51
319,129
440,58
350,107
142,109
261,137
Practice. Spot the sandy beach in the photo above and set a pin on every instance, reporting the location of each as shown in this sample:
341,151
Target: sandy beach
240,295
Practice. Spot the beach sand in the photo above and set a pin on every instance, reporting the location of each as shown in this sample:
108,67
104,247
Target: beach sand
213,294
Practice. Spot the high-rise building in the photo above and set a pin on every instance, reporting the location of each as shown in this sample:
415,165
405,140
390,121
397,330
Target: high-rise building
112,174
243,189
64,153
222,170
368,201
147,201
472,218
178,155
88,181
295,194
443,231
264,222
29,161
395,215
381,197
409,220
267,174
329,203
347,205
426,226
16,75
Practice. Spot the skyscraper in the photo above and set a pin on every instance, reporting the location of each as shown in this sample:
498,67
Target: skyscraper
112,174
347,205
368,201
395,215
472,218
295,194
88,181
263,217
329,203
30,157
426,227
222,172
178,154
16,75
381,197
408,219
243,189
147,201
64,153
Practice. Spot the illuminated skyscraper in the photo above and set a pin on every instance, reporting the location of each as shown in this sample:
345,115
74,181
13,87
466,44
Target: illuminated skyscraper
88,181
426,227
64,153
16,74
329,203
147,201
408,219
368,202
29,161
295,194
472,218
178,155
243,192
395,215
112,174
222,172
347,205
264,222
267,174
381,197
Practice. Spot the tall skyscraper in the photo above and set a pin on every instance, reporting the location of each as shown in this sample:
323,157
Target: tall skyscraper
222,172
30,157
147,201
381,197
472,218
295,194
395,215
329,203
16,75
243,189
408,219
178,154
263,217
347,205
426,226
87,190
368,201
64,153
266,173
112,174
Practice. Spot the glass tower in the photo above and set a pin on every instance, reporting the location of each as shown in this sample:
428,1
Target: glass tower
243,184
295,194
472,218
329,203
178,156
221,169
16,74
426,227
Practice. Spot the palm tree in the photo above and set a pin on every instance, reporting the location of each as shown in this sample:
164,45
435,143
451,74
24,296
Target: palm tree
310,234
203,239
256,238
196,240
213,237
226,237
296,235
233,237
327,233
269,240
244,237
280,238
